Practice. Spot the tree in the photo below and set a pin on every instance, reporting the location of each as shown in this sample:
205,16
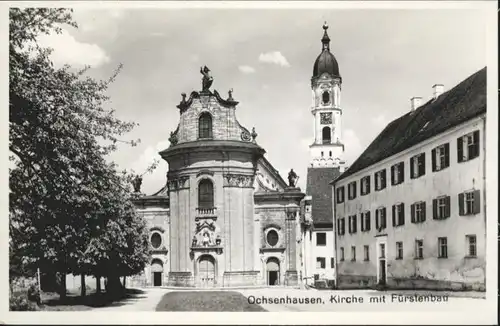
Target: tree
63,192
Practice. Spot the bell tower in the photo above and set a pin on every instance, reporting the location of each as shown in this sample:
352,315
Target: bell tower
327,149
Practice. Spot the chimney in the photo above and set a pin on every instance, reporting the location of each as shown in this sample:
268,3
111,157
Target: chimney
438,89
415,102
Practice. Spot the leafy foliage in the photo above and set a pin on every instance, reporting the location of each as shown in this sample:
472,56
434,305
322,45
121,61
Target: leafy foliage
70,209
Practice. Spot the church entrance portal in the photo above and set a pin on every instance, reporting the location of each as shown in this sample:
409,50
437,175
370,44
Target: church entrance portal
273,271
157,272
206,271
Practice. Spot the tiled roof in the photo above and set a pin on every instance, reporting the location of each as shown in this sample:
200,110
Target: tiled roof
463,102
318,187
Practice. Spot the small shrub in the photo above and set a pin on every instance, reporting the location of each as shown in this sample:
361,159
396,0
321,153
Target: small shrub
20,302
34,294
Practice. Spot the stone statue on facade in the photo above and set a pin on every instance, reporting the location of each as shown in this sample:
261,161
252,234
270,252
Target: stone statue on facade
137,182
194,243
207,79
292,178
254,134
173,138
206,239
230,95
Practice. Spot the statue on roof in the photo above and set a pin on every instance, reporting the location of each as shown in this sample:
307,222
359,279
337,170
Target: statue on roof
137,182
207,79
292,178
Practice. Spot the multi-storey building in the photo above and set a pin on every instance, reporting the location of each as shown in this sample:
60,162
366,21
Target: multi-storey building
411,210
326,163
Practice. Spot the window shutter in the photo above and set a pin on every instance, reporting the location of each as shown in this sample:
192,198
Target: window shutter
354,190
447,154
412,168
477,201
362,221
354,224
424,209
393,215
349,224
368,221
368,188
412,209
392,175
447,207
403,214
433,156
460,149
421,166
383,175
402,171
435,209
475,136
384,219
461,211
377,218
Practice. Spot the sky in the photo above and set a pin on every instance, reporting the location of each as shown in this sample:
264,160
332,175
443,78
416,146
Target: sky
266,56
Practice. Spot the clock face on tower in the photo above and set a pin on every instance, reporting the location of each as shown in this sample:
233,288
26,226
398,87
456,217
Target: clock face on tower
326,118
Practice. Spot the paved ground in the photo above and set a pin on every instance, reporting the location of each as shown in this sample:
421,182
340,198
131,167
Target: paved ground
206,301
286,299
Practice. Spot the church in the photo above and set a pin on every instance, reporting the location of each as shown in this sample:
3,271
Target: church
225,216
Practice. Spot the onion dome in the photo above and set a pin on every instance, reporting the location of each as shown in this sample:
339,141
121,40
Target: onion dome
326,61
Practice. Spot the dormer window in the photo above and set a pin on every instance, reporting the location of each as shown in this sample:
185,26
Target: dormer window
205,126
326,97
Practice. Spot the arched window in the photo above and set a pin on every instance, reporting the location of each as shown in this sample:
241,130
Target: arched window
327,135
330,153
326,97
205,194
322,154
205,125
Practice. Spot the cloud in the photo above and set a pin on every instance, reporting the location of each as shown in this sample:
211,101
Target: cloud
67,50
246,69
274,57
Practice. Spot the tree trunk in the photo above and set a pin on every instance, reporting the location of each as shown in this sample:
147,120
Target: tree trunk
98,284
114,287
62,286
82,285
124,282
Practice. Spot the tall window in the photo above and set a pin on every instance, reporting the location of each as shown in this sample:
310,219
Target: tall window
417,165
380,181
441,208
442,247
399,250
326,97
380,218
441,157
365,185
398,214
419,249
341,226
340,194
205,125
353,224
367,253
351,190
365,221
471,246
398,173
342,254
418,212
468,146
353,253
327,135
205,194
468,203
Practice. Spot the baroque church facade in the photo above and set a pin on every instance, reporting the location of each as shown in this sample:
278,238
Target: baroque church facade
225,217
